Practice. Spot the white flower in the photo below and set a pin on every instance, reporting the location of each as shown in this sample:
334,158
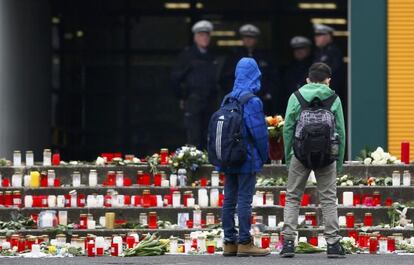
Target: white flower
100,161
397,161
344,177
343,184
376,156
393,159
367,161
136,160
350,183
382,162
386,156
180,155
380,150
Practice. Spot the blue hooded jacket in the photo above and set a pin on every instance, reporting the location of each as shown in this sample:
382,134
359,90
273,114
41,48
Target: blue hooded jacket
255,129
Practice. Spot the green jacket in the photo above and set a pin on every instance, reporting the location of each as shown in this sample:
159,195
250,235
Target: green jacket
309,92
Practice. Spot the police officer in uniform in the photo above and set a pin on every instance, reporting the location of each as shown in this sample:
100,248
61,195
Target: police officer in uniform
327,52
270,76
194,80
295,74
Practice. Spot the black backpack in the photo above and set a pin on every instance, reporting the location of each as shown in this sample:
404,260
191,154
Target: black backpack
225,144
316,142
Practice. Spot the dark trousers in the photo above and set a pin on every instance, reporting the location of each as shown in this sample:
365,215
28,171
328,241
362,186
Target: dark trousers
238,190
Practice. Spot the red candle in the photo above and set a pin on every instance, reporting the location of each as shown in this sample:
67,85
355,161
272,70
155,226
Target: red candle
405,152
353,234
376,198
203,182
8,199
189,224
43,179
157,179
368,201
22,245
391,244
111,178
67,200
83,221
373,245
146,179
153,199
265,241
140,173
56,159
81,200
127,200
164,156
152,222
211,249
127,182
168,199
282,198
388,202
368,220
91,249
305,200
5,182
114,249
56,182
350,220
108,200
313,240
221,200
130,241
357,199
146,199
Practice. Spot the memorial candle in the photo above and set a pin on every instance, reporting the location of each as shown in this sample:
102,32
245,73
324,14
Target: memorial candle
405,152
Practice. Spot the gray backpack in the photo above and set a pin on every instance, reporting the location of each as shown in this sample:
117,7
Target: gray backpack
316,142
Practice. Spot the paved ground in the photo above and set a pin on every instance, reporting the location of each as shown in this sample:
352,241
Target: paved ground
317,259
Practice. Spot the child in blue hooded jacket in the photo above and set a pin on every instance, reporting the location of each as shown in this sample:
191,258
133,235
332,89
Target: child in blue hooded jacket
240,182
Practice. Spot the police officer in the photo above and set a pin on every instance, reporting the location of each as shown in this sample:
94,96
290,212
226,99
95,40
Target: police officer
270,76
295,74
327,52
194,81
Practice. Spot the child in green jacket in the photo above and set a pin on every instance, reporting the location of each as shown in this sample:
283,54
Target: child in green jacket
317,86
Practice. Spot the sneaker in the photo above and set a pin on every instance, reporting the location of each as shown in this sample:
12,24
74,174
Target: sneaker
288,250
250,250
336,250
229,249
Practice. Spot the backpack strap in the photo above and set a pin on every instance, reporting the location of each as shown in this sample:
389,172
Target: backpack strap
327,103
243,100
303,103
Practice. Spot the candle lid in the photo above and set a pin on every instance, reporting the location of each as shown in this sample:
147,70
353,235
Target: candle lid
283,192
16,152
164,149
350,214
376,193
140,172
16,192
8,192
368,214
146,192
93,170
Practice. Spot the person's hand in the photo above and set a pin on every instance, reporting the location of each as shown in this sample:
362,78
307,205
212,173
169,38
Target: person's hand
182,103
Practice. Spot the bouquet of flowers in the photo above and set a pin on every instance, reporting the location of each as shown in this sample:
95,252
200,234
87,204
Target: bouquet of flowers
275,126
188,157
377,157
275,129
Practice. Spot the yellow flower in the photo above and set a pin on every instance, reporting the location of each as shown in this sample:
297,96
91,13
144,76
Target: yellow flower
52,249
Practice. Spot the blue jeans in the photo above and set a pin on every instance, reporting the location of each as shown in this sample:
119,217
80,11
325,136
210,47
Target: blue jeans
238,190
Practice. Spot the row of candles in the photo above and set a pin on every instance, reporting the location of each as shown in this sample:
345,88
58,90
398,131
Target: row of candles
113,178
214,198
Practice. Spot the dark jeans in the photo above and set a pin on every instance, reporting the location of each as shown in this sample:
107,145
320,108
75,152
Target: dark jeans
238,190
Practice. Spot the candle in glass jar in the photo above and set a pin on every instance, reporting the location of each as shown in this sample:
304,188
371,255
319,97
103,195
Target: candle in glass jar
93,178
34,179
76,179
210,220
8,198
187,243
119,179
383,245
17,199
63,217
152,220
143,219
182,177
373,245
29,158
201,244
368,219
187,194
405,152
28,201
56,159
406,178
313,240
173,180
215,179
391,244
51,200
265,241
271,221
305,200
91,224
348,198
17,158
350,220
214,196
190,202
202,198
17,180
282,198
396,178
176,199
47,157
146,199
164,156
173,245
197,218
376,198
269,199
51,175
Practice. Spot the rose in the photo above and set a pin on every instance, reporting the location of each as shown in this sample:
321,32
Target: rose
368,161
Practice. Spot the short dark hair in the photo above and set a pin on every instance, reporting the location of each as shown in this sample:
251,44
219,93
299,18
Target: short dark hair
318,72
